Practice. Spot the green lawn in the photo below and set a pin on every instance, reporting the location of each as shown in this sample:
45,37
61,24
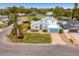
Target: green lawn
2,26
37,38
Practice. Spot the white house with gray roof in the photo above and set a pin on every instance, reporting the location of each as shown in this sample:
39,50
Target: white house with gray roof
46,23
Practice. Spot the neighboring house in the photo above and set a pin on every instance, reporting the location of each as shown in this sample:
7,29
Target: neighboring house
70,25
49,13
22,19
46,23
4,19
21,14
65,18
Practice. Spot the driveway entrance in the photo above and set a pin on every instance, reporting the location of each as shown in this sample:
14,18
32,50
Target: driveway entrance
57,40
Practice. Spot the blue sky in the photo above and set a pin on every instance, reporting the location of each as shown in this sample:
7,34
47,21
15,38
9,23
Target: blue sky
38,5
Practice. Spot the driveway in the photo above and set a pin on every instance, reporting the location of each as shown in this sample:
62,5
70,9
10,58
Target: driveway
1,30
75,37
56,39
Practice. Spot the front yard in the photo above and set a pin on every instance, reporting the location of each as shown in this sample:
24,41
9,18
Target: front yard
37,38
2,26
32,38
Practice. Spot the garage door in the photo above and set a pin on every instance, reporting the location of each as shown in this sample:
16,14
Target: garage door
53,30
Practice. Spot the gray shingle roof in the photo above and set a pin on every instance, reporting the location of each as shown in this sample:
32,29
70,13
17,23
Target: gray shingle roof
71,24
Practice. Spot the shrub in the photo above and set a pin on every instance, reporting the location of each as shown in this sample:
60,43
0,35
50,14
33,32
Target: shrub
71,41
25,25
20,37
2,26
61,31
44,30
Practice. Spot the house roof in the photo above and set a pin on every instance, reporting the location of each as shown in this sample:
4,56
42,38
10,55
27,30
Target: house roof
49,13
71,24
65,18
49,18
67,26
53,25
74,22
3,18
35,22
43,22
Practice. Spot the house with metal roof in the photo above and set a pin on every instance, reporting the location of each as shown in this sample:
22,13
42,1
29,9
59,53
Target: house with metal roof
46,23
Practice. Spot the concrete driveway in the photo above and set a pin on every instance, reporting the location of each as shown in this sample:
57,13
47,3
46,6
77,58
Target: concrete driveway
75,37
56,39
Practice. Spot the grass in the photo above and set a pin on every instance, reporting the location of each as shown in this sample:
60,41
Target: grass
2,26
37,38
32,38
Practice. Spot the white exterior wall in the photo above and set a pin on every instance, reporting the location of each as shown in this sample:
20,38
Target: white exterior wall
44,27
35,27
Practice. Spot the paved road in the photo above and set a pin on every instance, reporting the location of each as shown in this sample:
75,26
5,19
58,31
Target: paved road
34,50
38,50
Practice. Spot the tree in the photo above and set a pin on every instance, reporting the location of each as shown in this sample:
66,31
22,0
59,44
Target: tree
4,12
14,9
68,12
58,12
15,29
75,10
75,5
35,18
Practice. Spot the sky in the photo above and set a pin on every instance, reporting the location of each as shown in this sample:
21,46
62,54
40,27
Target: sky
37,5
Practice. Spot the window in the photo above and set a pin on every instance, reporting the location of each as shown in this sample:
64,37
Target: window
52,21
40,26
36,26
46,21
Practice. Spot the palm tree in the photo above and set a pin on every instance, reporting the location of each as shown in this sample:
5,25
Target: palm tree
16,24
14,20
73,11
75,5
